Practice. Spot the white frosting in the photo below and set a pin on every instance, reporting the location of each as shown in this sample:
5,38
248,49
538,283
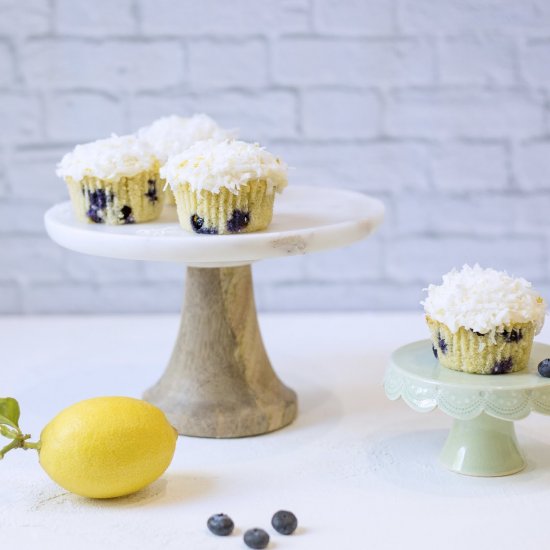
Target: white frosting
484,300
107,159
212,165
171,135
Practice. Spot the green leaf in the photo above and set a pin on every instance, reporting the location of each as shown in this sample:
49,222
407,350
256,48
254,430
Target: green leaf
9,412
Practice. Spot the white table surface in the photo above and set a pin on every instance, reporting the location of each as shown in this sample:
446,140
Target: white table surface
358,470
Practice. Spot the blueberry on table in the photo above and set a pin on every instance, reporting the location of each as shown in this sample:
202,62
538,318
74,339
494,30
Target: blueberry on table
284,522
256,538
220,524
544,368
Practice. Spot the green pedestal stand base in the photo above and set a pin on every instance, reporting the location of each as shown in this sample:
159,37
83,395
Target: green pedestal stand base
482,440
483,446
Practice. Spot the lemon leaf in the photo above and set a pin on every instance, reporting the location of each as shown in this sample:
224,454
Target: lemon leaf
9,412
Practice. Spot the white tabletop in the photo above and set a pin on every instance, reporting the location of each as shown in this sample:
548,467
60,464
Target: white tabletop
358,470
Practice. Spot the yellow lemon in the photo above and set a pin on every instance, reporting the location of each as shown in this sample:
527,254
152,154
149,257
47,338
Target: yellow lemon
107,446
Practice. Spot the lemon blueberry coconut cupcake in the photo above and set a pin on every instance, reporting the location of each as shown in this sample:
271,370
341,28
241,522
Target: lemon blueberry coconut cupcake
171,135
113,181
483,321
225,187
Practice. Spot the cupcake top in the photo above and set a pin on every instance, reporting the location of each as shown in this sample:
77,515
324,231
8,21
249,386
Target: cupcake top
484,300
173,134
212,165
108,159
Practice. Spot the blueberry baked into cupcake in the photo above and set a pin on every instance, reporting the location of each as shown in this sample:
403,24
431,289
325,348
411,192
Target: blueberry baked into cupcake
173,134
113,181
483,321
225,187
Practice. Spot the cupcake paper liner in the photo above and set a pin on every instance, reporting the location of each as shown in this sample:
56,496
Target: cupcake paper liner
493,353
224,212
128,200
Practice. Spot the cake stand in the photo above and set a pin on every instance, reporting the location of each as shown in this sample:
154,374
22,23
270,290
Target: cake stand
482,440
219,381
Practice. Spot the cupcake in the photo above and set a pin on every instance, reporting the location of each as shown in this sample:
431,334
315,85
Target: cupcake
225,187
173,134
113,181
483,321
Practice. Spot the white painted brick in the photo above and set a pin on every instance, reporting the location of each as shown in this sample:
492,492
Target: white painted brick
451,16
83,116
24,18
383,167
93,269
104,298
165,272
31,175
354,17
482,213
357,263
338,297
317,61
6,65
97,18
235,18
474,59
257,115
10,298
425,259
535,61
110,65
280,270
20,117
333,114
462,167
29,259
144,108
22,217
226,63
533,165
470,113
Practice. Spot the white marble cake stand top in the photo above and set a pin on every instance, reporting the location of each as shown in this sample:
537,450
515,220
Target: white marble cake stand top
306,219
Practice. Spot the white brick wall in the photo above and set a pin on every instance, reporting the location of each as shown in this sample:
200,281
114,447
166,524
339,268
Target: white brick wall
439,108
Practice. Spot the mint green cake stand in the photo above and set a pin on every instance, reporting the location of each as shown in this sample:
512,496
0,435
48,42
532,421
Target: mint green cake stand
482,440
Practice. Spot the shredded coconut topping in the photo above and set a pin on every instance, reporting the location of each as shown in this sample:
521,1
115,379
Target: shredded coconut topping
484,300
107,159
173,134
212,165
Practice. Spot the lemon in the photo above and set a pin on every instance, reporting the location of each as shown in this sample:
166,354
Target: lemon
107,446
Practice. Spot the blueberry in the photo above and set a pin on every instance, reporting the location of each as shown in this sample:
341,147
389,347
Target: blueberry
256,538
284,522
98,202
503,366
220,524
98,199
442,344
126,213
197,223
512,336
152,191
434,351
544,368
239,220
95,215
